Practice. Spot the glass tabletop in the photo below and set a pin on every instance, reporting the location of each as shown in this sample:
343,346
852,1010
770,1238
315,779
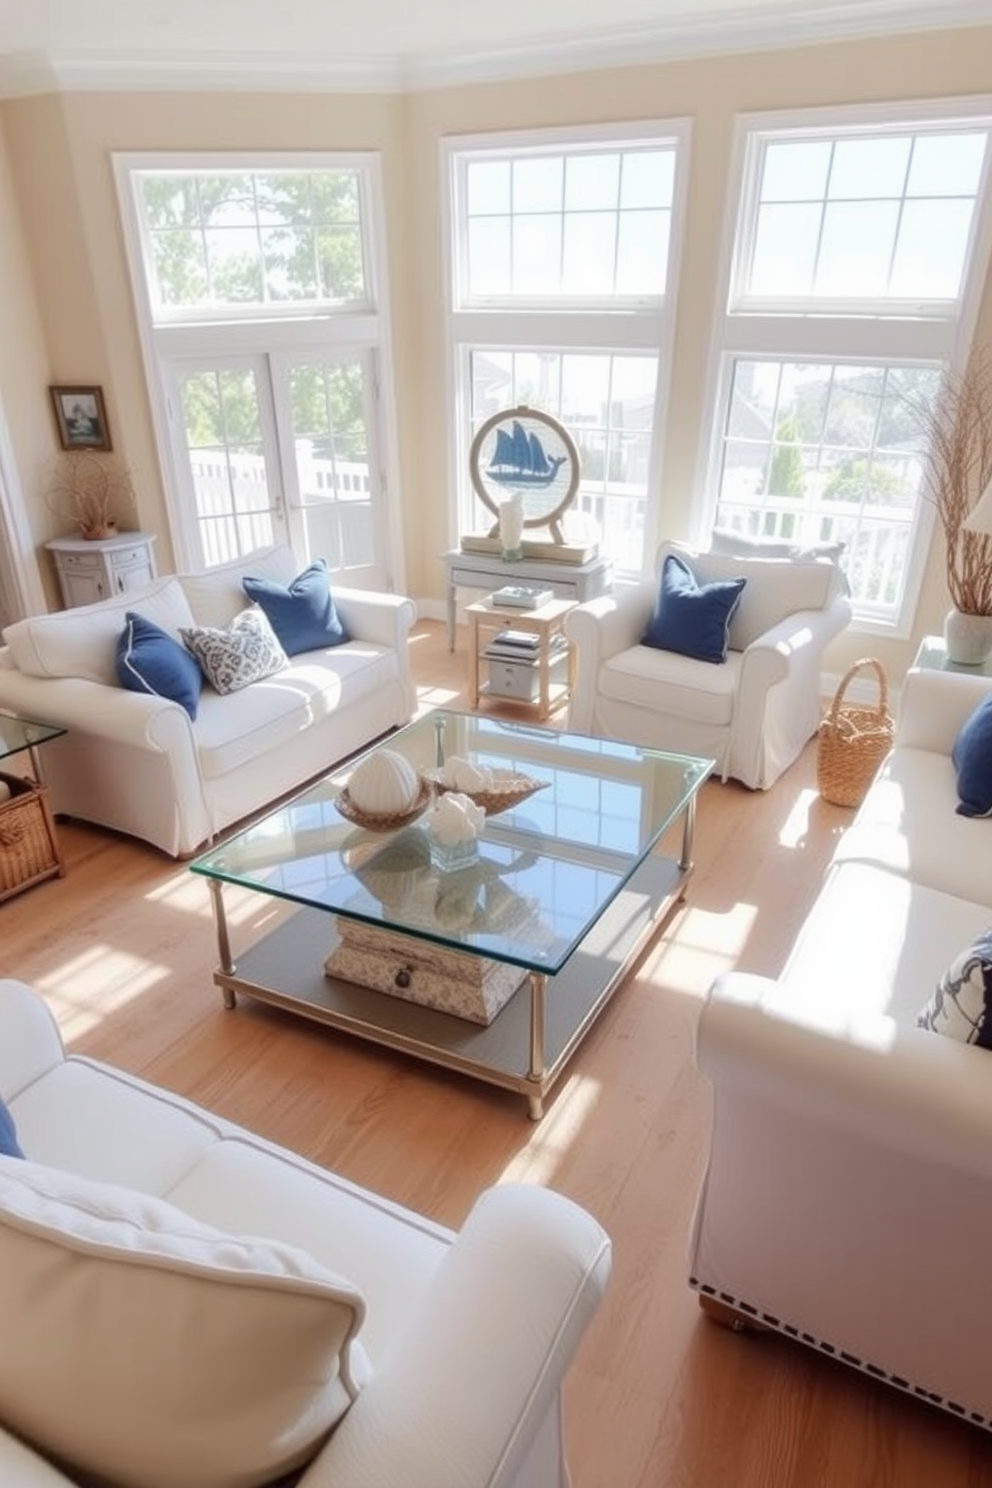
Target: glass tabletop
545,870
22,733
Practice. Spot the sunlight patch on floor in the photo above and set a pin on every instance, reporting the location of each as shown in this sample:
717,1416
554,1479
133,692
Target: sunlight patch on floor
186,893
796,825
575,1099
436,697
98,982
702,946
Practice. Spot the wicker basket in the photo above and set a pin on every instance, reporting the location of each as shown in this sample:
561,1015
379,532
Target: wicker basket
28,847
853,741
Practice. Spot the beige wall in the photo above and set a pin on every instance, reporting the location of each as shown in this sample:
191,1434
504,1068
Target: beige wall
59,150
24,371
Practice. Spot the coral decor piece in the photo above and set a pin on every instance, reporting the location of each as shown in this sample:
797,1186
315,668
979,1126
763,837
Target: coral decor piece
958,426
92,492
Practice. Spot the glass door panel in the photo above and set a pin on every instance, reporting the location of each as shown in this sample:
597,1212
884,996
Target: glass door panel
334,485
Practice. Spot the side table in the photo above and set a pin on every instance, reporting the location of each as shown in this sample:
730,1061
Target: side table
29,850
91,570
932,657
547,623
575,581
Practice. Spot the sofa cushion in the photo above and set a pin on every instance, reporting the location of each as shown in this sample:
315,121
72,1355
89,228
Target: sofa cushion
737,545
675,685
233,658
962,1001
82,642
245,726
972,759
9,1145
149,660
776,587
302,613
216,595
907,824
177,1353
690,618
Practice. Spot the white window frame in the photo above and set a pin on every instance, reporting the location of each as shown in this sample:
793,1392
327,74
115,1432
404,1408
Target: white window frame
255,331
617,325
905,332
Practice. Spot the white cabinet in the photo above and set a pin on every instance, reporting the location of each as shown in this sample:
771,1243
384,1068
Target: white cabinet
93,570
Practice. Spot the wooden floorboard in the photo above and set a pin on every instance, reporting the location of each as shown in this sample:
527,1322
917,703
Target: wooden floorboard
660,1397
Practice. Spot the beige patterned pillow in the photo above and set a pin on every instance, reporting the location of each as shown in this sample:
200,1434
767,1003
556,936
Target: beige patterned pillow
230,659
150,1350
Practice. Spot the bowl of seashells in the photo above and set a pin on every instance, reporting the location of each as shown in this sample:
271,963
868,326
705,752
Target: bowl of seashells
493,789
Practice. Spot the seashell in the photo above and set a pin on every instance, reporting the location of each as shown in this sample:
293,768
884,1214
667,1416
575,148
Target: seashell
461,775
455,818
385,784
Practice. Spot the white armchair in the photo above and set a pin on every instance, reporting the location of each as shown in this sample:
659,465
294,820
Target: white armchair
752,713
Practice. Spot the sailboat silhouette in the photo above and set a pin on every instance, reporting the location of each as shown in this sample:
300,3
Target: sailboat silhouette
519,459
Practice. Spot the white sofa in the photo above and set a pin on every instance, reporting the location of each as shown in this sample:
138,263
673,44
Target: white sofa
466,1337
754,712
847,1200
137,763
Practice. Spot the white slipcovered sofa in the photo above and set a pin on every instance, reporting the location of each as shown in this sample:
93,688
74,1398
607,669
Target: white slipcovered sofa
847,1200
754,712
463,1346
138,764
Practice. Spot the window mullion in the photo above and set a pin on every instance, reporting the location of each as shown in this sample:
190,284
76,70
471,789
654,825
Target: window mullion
858,338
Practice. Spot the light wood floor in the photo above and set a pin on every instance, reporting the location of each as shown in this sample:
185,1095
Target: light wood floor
660,1397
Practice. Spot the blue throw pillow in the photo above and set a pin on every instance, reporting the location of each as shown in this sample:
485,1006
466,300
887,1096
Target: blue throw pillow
972,759
302,614
148,659
692,618
9,1145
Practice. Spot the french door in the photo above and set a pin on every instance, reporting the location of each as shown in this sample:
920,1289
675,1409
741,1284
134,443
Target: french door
283,446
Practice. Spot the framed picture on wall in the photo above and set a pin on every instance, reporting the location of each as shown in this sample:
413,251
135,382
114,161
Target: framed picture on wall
81,418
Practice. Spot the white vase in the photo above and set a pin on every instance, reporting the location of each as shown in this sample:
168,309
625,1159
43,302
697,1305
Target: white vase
967,638
511,526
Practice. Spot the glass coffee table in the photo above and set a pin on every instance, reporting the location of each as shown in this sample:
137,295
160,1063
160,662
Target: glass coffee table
564,895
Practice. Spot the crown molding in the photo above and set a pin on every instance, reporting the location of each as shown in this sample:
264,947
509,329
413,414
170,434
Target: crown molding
24,74
755,29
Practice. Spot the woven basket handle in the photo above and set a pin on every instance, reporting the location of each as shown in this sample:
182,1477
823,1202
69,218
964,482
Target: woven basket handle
883,688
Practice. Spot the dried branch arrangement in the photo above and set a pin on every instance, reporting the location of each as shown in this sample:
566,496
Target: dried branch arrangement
958,426
91,492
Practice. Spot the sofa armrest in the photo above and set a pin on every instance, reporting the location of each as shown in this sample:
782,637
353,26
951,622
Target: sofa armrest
772,721
902,1088
601,628
933,705
31,1044
93,708
385,619
462,1393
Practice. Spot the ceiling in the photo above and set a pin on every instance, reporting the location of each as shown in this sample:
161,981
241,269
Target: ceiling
410,43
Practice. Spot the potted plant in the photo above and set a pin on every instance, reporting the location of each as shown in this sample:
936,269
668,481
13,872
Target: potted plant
958,426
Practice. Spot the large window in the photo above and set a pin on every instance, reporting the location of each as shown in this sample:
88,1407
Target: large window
562,270
858,246
265,336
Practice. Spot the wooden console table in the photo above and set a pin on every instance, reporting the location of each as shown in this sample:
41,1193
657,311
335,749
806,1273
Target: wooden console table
575,581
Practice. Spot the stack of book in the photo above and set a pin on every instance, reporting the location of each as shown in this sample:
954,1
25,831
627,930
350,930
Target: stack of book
521,597
514,645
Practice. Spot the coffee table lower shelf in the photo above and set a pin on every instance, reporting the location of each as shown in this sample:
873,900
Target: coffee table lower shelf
527,1045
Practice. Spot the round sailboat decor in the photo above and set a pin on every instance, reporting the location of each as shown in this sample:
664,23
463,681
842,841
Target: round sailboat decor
524,452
